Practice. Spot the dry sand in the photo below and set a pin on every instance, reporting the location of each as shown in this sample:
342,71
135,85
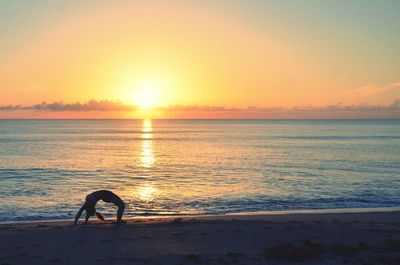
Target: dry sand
324,238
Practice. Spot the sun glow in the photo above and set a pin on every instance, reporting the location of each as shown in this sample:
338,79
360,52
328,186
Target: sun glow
146,96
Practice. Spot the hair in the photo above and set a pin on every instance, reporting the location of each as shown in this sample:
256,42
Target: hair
100,216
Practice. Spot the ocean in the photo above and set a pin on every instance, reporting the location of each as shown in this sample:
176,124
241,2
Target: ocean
179,167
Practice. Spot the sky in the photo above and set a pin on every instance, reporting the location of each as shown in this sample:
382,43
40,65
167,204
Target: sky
200,59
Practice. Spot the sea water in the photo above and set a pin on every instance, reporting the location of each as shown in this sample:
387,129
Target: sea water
174,167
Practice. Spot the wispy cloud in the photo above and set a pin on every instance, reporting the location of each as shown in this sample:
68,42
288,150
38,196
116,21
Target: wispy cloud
197,111
373,92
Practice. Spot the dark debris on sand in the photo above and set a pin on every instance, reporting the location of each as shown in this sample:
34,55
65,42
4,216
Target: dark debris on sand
192,257
344,249
307,250
393,244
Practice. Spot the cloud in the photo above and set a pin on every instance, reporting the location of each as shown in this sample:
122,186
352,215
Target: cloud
92,105
203,111
298,112
374,93
338,107
373,90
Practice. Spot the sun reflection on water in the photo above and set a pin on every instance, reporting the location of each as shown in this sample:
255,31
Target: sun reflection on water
147,157
146,192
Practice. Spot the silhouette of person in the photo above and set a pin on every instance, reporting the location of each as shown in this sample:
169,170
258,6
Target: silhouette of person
93,198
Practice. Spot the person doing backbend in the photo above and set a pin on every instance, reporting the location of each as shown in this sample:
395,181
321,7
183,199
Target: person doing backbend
93,198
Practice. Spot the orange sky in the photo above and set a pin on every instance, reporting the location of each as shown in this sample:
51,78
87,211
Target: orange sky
156,54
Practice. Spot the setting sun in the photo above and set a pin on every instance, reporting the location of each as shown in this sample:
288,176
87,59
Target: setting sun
146,96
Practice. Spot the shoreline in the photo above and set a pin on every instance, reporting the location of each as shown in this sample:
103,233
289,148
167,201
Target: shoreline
236,215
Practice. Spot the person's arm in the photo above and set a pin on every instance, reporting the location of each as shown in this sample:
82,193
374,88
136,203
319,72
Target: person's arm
78,215
121,208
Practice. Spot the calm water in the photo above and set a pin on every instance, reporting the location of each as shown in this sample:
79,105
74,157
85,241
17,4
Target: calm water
164,167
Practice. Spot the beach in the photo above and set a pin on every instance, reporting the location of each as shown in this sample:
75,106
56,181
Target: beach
310,238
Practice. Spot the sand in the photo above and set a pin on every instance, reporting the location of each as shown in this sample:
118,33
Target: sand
306,238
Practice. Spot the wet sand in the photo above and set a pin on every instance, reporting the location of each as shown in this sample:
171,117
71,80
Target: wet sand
311,238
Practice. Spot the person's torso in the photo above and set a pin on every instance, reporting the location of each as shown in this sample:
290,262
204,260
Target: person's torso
104,195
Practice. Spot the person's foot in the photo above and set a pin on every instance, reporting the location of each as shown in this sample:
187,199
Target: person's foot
121,222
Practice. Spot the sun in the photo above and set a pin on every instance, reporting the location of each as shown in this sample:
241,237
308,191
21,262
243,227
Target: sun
146,96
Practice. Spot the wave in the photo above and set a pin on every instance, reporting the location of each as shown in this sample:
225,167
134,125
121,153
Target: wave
358,137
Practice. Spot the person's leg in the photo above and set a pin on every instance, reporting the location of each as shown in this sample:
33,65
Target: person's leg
87,218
